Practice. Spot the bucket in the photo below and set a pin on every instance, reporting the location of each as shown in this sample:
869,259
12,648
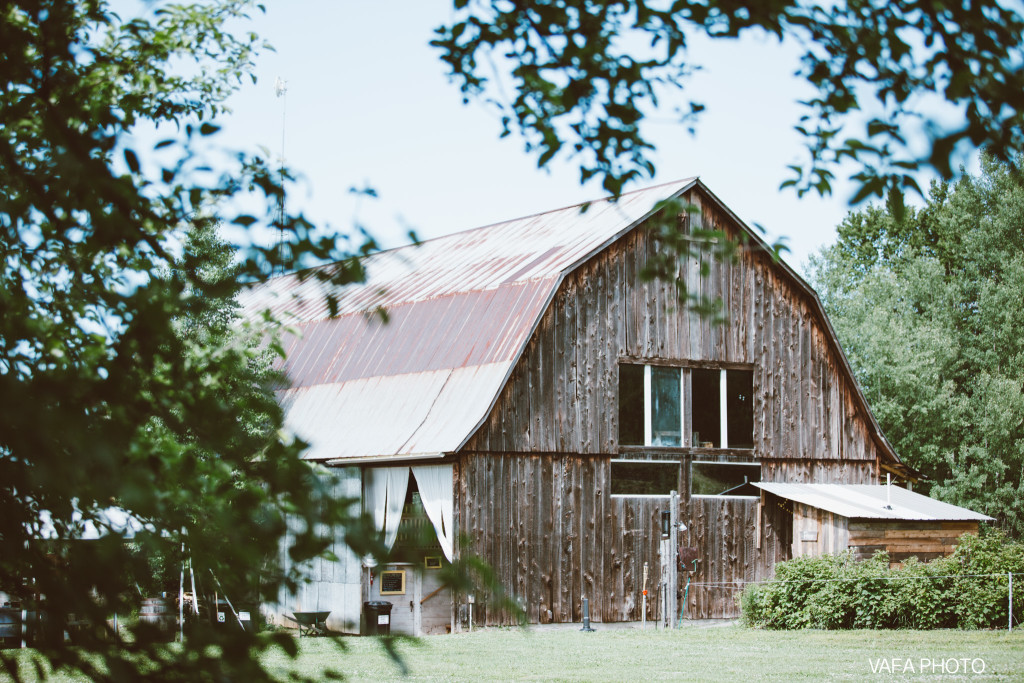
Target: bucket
157,614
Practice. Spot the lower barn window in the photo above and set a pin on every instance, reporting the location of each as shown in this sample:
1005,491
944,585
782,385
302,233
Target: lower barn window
644,478
724,479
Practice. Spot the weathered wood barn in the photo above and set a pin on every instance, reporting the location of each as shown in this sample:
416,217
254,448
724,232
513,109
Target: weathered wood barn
537,401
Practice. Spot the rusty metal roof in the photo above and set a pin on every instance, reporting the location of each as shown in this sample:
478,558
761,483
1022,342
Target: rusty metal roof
461,309
869,501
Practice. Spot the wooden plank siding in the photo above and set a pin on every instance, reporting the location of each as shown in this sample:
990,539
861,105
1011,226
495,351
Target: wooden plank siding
590,544
924,540
534,480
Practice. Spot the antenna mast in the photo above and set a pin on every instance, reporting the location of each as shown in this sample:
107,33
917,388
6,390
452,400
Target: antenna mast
281,91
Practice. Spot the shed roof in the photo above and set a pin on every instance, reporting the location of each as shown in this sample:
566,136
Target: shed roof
870,501
460,308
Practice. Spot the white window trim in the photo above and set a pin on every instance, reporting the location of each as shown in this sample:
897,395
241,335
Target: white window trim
723,410
648,405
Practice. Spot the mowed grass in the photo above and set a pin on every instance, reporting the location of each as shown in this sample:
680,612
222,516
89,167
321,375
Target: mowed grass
731,653
689,654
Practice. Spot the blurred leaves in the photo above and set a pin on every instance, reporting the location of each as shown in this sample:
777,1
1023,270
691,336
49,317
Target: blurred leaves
898,86
127,380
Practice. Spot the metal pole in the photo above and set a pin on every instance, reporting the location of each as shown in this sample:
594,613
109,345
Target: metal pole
643,607
673,568
181,595
1010,625
586,616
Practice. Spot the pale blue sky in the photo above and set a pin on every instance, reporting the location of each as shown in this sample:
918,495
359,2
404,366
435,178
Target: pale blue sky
368,102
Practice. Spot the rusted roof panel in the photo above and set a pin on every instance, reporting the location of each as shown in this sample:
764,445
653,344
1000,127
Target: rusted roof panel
475,328
535,247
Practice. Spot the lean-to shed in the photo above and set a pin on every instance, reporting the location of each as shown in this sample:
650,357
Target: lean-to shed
535,401
865,518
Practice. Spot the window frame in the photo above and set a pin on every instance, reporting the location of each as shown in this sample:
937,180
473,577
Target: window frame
719,463
685,403
638,461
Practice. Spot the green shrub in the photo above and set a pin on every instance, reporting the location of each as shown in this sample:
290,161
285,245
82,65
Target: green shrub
837,592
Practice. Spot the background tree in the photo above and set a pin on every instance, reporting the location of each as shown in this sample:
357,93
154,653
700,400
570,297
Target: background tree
929,310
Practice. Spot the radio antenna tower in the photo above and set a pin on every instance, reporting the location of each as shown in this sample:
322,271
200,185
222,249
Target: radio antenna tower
281,91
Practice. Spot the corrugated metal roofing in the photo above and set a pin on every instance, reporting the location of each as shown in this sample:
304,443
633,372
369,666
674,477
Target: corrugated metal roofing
867,501
461,309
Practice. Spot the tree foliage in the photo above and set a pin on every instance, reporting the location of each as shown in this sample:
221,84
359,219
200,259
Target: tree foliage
929,310
125,380
898,85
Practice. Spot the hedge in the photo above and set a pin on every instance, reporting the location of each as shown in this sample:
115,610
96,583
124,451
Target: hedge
838,592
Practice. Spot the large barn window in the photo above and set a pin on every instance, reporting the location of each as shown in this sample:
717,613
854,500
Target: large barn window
652,411
723,408
724,479
644,477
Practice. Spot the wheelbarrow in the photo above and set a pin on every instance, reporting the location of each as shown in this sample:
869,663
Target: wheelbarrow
311,623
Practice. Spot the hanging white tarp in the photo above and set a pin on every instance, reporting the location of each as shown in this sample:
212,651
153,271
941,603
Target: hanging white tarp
437,496
384,496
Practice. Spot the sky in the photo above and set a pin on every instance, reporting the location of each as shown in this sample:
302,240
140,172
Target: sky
368,103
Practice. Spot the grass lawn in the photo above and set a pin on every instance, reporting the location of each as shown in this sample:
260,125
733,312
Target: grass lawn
731,653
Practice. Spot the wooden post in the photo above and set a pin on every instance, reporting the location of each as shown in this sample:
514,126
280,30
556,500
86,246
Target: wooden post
669,569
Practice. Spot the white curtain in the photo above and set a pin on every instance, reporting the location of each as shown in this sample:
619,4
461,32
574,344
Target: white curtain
437,496
383,496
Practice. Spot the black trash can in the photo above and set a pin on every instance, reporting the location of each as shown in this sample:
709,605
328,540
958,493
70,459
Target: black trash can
377,614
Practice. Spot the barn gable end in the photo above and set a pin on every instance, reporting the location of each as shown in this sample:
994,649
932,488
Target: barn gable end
539,471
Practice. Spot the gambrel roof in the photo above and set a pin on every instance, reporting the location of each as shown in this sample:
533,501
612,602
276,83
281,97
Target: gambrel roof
460,309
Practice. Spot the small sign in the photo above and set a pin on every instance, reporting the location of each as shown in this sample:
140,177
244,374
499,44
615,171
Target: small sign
383,619
243,616
809,536
221,618
392,582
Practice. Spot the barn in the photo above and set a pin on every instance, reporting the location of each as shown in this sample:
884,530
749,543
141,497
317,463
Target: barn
532,400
